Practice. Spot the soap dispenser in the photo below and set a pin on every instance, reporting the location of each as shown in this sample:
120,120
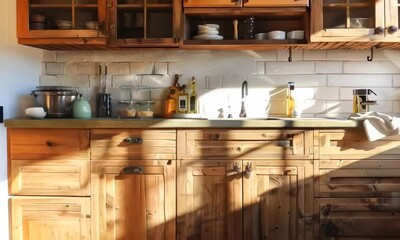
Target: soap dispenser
81,108
290,103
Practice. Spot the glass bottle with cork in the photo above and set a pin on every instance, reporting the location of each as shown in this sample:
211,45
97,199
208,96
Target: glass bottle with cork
193,99
171,102
183,100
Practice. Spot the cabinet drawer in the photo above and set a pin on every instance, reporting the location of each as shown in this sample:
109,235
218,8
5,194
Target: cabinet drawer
357,178
124,144
50,218
353,144
53,177
39,144
250,144
362,218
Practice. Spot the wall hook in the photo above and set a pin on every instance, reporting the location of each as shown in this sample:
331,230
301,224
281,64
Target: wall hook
370,58
290,55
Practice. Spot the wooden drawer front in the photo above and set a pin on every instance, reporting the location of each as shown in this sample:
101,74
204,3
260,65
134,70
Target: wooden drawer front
250,144
362,218
134,200
38,144
133,144
50,218
60,177
358,178
355,145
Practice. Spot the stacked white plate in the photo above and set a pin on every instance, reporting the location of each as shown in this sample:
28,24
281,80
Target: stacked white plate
208,32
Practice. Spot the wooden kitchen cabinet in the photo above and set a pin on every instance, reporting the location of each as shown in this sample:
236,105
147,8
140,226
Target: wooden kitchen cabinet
134,200
45,23
144,23
244,184
356,20
244,3
357,218
357,186
42,218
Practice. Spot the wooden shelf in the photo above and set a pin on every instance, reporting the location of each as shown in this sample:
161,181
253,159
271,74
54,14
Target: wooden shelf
86,6
50,5
351,5
130,6
159,6
243,42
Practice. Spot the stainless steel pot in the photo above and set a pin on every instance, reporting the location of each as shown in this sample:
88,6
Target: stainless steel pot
57,103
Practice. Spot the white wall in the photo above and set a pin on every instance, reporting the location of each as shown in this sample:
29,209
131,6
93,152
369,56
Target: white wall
20,68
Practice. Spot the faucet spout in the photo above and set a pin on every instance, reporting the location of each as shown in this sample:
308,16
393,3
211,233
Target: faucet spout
244,91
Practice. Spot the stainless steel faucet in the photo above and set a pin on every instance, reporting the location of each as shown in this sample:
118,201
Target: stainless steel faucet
244,91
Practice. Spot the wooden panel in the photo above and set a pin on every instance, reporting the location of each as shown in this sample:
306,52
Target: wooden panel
239,144
50,218
358,178
392,18
353,144
209,200
214,3
46,144
134,206
146,144
52,177
278,200
357,218
274,3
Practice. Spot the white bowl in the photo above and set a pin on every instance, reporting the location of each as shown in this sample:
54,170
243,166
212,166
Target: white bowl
93,25
260,36
276,35
62,24
35,112
296,34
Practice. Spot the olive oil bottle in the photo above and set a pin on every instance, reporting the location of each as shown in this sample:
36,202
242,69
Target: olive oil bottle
193,99
183,101
290,103
171,101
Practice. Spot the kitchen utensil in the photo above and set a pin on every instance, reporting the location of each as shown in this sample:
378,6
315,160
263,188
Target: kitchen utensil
104,105
35,112
57,103
81,108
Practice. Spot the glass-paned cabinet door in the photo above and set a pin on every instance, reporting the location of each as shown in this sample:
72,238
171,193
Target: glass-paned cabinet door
141,22
392,19
349,19
60,18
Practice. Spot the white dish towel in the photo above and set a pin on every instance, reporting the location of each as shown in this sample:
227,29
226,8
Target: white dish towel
378,125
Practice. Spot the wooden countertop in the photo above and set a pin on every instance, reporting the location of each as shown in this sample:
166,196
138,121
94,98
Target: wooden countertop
181,123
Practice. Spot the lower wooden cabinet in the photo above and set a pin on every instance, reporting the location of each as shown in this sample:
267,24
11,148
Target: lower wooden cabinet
43,218
133,200
245,200
357,218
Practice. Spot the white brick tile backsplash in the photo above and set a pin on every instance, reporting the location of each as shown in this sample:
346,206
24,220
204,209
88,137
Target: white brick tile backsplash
54,68
49,80
324,79
73,56
328,67
359,81
314,55
283,55
382,106
302,80
88,68
290,67
118,68
373,67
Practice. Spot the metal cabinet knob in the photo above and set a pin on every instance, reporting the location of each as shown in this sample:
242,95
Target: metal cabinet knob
379,31
392,29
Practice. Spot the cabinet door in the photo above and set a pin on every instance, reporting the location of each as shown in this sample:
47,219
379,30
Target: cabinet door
134,201
392,19
214,3
60,18
145,23
277,199
274,3
209,200
357,218
50,218
352,20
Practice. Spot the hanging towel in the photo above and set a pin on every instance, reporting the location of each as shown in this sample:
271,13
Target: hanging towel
378,125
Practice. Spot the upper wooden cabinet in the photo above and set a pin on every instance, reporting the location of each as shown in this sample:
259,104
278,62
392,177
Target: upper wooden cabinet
245,3
63,21
355,20
144,22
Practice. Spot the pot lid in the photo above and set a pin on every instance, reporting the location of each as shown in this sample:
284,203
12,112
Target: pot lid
56,88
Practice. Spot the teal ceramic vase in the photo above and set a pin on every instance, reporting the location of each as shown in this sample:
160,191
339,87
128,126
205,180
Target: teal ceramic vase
81,108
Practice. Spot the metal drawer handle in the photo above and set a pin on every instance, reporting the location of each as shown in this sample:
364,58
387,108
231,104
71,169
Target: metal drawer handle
133,140
132,170
248,170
